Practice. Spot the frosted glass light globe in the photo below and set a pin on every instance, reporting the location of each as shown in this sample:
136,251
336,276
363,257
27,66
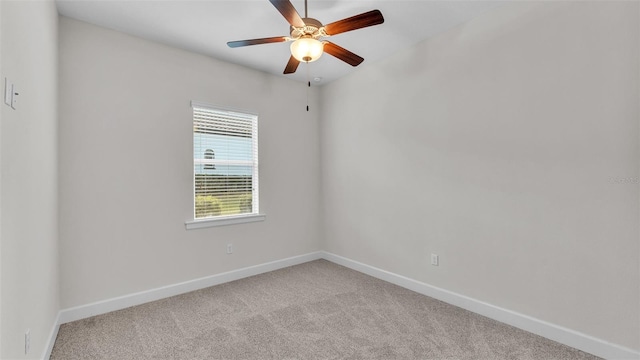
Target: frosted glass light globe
307,49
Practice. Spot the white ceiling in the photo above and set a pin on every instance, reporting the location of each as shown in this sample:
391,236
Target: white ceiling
205,26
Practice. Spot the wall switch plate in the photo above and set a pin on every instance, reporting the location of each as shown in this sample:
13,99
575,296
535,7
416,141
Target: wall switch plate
229,248
435,260
8,92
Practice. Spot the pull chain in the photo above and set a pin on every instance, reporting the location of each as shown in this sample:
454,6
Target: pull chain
308,79
308,85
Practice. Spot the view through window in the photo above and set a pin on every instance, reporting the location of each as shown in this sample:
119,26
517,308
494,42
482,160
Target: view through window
225,161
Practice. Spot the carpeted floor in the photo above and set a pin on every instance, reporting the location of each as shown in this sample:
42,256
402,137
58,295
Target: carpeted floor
317,310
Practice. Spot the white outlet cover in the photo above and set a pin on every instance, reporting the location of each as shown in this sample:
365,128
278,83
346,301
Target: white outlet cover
434,260
27,341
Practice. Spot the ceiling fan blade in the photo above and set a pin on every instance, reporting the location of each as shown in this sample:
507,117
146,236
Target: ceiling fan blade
373,17
239,43
292,66
289,12
342,54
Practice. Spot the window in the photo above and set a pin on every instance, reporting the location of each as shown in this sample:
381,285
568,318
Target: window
225,163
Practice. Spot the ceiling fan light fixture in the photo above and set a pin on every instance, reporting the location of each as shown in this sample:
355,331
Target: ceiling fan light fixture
307,49
305,32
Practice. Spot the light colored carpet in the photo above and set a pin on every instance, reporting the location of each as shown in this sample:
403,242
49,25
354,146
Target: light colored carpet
317,310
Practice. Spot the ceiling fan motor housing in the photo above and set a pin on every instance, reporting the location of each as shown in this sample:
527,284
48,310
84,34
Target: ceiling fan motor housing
312,28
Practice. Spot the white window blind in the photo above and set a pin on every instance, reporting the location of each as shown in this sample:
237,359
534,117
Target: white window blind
225,162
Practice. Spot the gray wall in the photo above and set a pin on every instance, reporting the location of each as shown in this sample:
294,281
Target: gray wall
509,146
28,182
126,173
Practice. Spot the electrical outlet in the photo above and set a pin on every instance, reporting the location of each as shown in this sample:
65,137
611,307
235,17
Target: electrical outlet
229,248
435,260
27,341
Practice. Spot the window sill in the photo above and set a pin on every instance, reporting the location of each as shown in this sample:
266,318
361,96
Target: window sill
222,221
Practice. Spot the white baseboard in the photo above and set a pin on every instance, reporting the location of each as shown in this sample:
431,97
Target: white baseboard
52,338
122,302
554,332
545,329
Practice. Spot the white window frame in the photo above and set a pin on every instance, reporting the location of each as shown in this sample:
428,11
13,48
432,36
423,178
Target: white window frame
221,220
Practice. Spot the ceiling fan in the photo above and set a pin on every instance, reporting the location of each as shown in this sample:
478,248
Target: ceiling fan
305,32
